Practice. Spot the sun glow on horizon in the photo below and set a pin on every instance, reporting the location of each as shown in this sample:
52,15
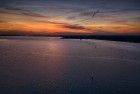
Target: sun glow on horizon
42,17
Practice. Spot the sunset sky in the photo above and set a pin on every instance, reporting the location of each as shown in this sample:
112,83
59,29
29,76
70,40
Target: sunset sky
70,17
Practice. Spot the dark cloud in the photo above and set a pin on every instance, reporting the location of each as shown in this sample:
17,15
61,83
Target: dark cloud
12,8
122,10
86,13
18,11
136,19
77,27
71,17
109,14
90,12
66,25
32,14
1,21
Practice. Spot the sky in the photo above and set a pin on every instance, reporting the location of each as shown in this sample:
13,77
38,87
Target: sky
95,17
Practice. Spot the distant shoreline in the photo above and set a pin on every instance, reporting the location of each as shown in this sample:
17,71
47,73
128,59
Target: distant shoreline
135,39
123,38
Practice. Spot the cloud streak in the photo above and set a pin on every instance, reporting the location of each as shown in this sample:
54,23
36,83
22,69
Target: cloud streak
70,15
18,11
76,27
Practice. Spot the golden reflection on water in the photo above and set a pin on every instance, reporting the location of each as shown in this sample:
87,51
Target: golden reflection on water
54,53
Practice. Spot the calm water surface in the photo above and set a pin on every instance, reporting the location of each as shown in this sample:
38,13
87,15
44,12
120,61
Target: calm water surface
39,65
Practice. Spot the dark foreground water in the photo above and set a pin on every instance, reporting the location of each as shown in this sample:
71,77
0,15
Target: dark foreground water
38,65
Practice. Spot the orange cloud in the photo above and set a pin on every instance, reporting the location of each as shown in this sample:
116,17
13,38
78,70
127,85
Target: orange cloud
42,27
14,19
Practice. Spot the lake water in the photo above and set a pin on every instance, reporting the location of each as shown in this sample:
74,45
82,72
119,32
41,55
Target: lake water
39,65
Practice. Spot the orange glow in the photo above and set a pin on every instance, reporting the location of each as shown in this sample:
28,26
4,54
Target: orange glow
36,27
31,21
52,27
